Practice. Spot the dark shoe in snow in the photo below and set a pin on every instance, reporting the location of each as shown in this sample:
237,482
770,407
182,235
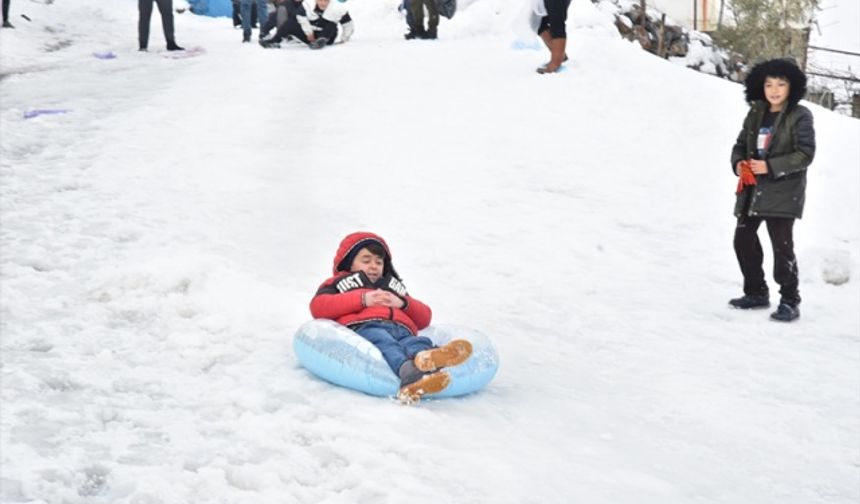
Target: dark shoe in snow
750,302
143,49
450,354
318,43
428,384
7,24
430,35
270,43
410,35
785,313
172,46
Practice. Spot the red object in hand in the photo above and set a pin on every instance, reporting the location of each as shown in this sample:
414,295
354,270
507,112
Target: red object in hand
746,177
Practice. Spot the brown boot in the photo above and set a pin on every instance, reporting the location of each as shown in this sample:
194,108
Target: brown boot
450,354
427,384
557,56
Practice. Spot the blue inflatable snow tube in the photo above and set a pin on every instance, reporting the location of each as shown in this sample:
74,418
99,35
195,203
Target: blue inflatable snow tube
213,8
340,356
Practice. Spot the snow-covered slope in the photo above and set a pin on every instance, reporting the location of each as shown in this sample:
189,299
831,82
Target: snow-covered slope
161,241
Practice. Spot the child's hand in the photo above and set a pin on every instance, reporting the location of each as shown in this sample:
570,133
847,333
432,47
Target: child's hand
758,167
392,300
380,297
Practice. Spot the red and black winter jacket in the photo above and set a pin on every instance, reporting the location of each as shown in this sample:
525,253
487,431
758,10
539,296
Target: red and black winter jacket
340,297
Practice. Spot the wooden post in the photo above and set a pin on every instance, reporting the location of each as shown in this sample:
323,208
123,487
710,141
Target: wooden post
695,14
804,51
661,43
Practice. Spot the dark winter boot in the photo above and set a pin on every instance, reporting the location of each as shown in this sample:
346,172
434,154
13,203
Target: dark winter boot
318,43
747,302
786,313
172,46
271,42
7,24
409,373
429,35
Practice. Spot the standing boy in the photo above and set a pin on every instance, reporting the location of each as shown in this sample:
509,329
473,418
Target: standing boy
771,156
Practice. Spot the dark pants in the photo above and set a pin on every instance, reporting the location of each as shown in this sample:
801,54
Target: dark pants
750,256
555,19
418,15
144,8
6,10
292,28
276,19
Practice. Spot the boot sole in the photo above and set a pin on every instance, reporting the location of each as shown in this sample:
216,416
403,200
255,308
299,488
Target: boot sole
452,353
429,384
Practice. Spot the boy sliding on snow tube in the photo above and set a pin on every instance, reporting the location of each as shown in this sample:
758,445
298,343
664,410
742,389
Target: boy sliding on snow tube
366,294
771,156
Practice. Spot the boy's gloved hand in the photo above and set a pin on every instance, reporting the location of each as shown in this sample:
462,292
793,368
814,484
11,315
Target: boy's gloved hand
746,176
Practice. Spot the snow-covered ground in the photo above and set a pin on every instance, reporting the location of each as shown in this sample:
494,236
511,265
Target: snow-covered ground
161,241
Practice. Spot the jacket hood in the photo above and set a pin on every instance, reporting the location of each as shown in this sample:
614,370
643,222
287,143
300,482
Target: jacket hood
352,244
783,68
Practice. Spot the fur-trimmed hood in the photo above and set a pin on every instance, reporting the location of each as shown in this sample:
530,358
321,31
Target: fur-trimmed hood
782,68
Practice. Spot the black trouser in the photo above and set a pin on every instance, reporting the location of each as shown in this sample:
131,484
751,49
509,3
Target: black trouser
292,28
418,15
555,19
237,17
6,10
750,256
144,8
276,19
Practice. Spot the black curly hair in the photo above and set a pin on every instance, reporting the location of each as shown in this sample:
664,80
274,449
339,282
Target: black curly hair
781,68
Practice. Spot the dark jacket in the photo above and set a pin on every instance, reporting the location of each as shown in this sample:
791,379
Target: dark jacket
782,191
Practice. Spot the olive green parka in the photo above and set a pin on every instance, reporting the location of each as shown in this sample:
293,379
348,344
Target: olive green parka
782,191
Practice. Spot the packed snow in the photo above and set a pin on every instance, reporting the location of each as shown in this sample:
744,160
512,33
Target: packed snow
162,238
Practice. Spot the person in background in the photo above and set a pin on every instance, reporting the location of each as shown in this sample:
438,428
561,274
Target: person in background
416,28
553,32
6,23
144,10
316,23
277,17
247,14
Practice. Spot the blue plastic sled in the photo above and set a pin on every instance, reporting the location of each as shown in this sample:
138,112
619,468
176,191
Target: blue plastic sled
340,356
212,8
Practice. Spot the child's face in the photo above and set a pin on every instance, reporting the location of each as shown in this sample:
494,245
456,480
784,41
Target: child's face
371,264
776,91
322,4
